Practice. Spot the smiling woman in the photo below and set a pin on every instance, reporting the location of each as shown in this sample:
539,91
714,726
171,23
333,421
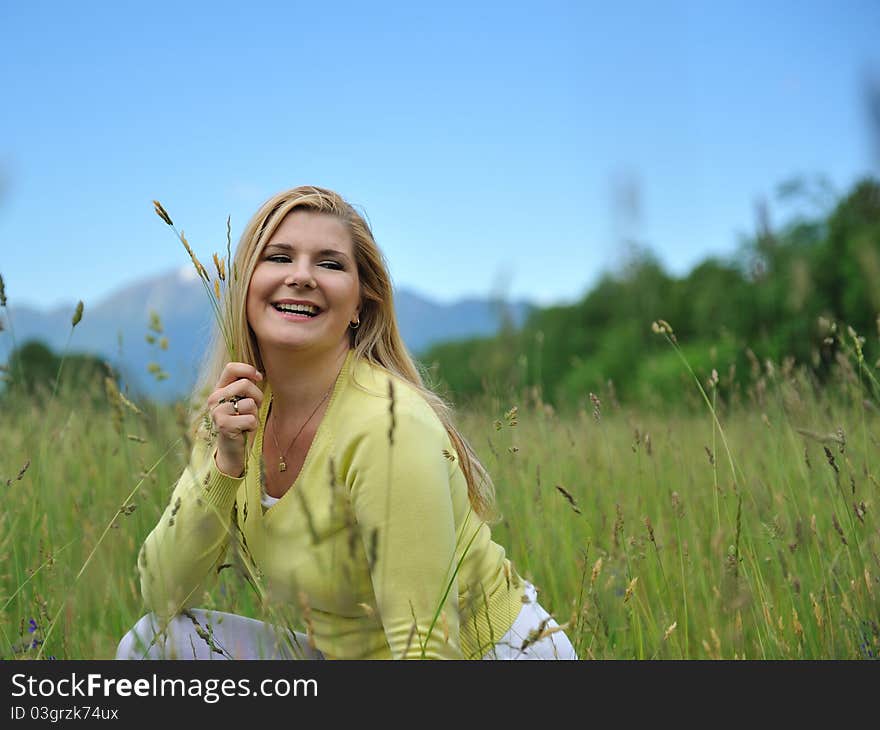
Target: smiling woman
297,259
364,519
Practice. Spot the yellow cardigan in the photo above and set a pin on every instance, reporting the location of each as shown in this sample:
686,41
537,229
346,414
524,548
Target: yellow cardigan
374,548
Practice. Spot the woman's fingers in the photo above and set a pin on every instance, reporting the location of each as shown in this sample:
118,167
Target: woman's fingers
236,390
234,407
236,370
232,427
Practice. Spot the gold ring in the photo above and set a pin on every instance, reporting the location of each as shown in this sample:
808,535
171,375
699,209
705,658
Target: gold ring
234,399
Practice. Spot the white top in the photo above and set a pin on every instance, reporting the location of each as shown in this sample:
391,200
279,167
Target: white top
267,500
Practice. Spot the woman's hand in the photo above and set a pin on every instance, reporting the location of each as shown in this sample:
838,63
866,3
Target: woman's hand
234,406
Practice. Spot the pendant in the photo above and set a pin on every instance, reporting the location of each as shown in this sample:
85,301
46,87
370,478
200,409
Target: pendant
281,465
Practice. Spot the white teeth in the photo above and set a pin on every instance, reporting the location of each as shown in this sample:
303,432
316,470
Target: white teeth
297,308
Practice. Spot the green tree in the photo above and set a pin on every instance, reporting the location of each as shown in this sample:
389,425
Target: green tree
34,369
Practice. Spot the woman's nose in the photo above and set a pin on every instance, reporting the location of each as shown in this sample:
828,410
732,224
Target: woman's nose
300,275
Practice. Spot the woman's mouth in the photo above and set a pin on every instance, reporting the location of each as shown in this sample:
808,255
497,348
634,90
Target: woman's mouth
297,312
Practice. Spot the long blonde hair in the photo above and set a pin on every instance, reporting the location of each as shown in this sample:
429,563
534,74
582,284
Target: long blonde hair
377,340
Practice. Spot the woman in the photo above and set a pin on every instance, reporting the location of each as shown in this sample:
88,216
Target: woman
350,499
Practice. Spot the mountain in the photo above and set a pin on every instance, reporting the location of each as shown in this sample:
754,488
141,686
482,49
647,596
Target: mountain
116,328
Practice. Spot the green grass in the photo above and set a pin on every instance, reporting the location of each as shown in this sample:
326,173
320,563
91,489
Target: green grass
664,544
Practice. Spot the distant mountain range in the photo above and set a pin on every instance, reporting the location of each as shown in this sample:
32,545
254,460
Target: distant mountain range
116,328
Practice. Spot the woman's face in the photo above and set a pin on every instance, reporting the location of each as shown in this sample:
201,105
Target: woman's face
309,260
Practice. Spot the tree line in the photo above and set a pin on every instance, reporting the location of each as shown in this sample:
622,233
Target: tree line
795,296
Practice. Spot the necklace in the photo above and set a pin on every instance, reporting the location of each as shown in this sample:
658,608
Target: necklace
282,464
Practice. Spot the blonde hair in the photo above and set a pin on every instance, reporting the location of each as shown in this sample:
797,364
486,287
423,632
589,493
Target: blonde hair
377,340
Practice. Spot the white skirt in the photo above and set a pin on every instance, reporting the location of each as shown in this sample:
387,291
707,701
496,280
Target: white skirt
201,634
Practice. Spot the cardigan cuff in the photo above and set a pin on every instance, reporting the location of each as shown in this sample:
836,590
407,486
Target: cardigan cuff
219,489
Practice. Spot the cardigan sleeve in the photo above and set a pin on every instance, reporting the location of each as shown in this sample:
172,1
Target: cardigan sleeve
191,536
401,498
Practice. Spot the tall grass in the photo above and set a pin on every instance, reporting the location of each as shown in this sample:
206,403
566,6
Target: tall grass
750,533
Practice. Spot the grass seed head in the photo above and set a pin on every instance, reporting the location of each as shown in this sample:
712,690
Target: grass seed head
77,315
568,497
630,589
220,265
650,529
677,505
162,213
597,407
817,610
597,570
838,529
796,624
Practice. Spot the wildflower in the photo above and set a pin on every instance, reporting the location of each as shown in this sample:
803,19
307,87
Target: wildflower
32,626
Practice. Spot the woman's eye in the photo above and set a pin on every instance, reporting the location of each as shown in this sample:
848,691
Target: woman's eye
281,258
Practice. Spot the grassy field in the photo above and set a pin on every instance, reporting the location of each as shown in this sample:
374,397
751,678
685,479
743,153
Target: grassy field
653,534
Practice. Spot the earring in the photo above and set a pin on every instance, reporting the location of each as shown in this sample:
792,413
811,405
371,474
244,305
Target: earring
355,325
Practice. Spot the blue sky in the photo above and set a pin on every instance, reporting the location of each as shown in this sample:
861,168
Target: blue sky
492,145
